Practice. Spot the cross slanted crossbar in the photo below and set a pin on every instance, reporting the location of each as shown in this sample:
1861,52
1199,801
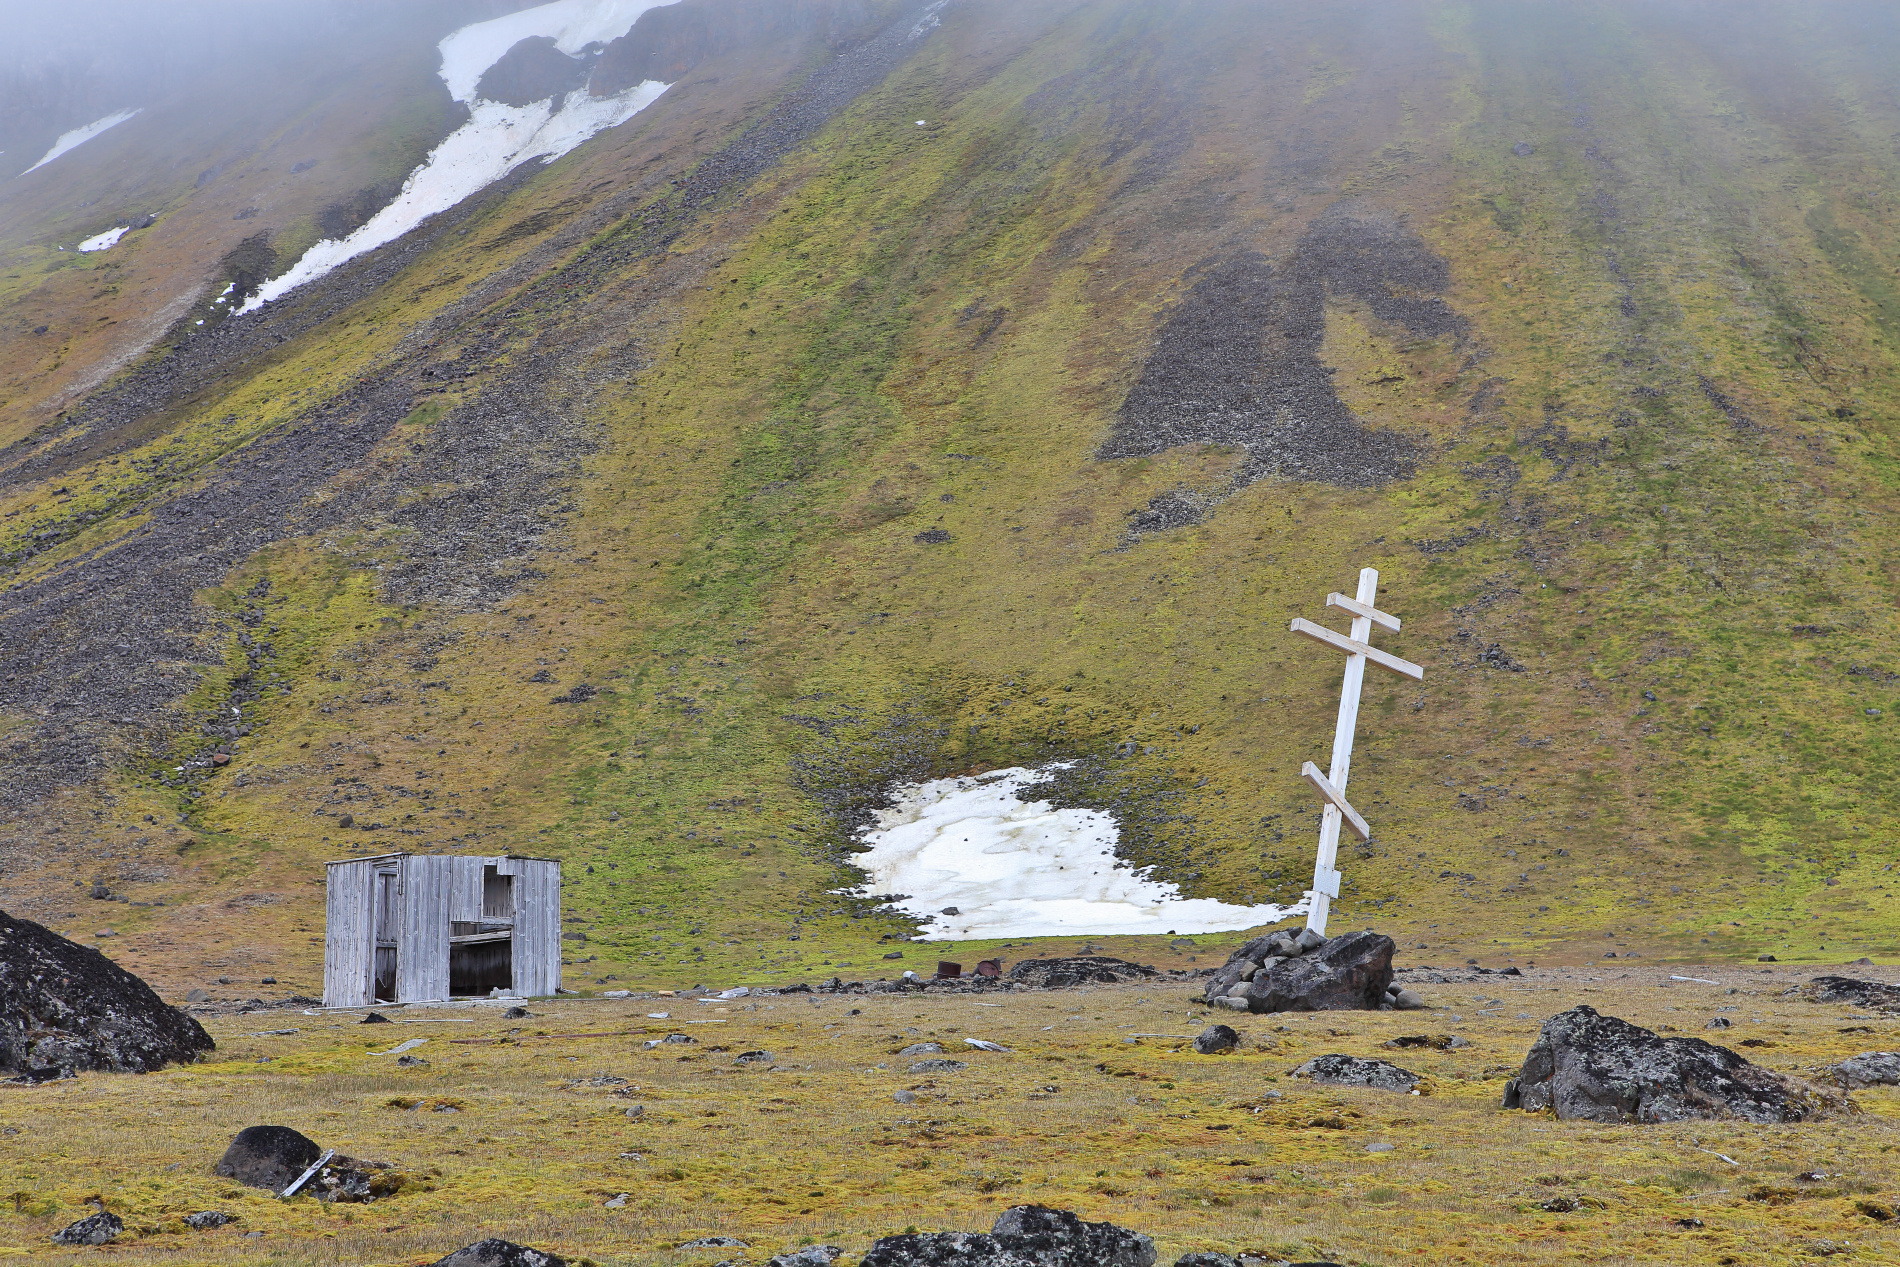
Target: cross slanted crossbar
1331,785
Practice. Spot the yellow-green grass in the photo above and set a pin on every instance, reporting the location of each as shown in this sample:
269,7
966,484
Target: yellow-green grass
504,1136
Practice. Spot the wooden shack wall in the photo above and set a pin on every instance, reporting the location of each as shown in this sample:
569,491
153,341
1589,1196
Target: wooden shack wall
349,934
537,940
422,947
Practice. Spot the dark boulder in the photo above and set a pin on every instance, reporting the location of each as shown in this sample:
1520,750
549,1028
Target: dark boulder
1060,1239
942,1249
1352,1071
495,1252
1598,1068
1023,1236
67,1007
1869,1069
1059,974
1216,1039
1851,990
268,1157
94,1229
533,70
1350,971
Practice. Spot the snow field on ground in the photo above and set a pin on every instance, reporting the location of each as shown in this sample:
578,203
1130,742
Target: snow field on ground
497,137
72,140
1018,867
104,241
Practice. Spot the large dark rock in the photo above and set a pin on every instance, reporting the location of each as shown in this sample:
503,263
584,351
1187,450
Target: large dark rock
1852,990
94,1229
1058,1238
1352,1071
942,1249
67,1007
1059,974
1024,1236
495,1252
533,70
1595,1067
1350,971
268,1157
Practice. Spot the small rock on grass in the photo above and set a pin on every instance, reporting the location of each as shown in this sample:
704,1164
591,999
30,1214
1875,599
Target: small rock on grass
94,1229
938,1066
714,1242
205,1220
1200,1259
1352,1071
495,1252
810,1256
1869,1069
922,1049
1216,1039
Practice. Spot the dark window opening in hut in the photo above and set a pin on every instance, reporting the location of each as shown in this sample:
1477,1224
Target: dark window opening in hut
480,967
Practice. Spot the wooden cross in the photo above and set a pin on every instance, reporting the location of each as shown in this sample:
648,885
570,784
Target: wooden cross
1332,786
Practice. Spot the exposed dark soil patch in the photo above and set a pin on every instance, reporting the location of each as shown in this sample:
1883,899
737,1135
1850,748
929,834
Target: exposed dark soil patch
1237,361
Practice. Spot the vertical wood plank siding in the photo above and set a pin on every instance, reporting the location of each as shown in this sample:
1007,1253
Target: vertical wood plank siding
348,944
422,953
537,926
465,888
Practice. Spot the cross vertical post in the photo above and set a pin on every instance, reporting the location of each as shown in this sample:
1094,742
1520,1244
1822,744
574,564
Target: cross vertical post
1332,785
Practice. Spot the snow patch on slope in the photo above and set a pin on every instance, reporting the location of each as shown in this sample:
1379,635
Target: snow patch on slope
497,137
1017,867
104,241
72,140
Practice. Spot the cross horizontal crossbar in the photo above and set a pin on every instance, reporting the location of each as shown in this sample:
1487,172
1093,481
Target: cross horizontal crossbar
1324,786
1339,641
1384,620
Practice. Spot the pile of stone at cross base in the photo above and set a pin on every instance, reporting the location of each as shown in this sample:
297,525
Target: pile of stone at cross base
1307,972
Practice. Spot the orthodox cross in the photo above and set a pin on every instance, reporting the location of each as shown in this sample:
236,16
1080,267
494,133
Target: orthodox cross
1332,785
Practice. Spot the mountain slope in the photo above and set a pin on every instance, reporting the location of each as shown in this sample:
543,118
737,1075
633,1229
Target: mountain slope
916,400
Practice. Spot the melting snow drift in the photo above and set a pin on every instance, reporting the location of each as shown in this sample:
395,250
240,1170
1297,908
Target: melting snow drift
79,136
497,137
1015,867
104,241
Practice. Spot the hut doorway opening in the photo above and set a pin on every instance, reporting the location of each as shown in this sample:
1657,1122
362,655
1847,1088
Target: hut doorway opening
387,922
481,952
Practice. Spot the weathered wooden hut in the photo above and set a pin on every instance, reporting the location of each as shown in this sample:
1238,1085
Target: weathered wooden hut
409,928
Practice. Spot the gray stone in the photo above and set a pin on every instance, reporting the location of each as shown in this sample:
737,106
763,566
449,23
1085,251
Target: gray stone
921,1049
904,1097
1350,971
754,1058
1057,974
94,1229
205,1220
1023,1236
495,1252
1216,1039
1201,1259
1599,1068
1310,941
810,1256
1409,1001
714,1242
1380,1148
1354,1071
938,1066
1869,1069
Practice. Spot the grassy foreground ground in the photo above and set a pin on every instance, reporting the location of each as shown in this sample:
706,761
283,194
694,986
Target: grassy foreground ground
1099,1107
